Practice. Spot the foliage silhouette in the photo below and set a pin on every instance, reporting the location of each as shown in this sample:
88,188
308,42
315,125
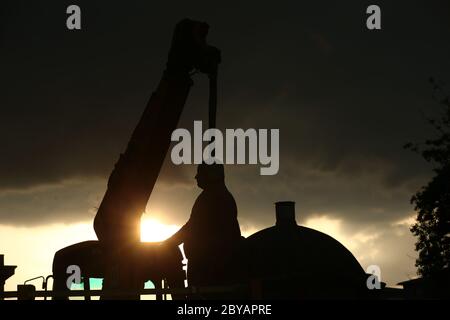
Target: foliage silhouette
432,201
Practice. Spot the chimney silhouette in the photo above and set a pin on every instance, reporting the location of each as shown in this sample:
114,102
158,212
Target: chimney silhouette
285,213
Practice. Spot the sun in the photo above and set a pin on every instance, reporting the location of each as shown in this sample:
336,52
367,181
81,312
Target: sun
154,231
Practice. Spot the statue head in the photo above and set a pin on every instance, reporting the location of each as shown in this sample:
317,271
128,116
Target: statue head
209,175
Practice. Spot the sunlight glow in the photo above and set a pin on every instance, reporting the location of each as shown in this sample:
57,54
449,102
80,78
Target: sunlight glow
154,231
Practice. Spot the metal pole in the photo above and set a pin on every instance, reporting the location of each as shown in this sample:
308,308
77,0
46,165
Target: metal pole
212,99
213,104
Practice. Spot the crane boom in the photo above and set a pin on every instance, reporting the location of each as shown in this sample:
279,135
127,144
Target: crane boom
131,182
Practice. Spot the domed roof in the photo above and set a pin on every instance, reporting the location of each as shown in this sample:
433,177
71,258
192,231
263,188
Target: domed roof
317,264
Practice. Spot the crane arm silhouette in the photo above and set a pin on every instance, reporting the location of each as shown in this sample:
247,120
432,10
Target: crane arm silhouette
131,182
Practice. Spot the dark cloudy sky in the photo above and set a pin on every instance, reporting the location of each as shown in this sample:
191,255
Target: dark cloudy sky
345,99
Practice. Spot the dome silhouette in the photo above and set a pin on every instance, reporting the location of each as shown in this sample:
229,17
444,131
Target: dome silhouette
293,261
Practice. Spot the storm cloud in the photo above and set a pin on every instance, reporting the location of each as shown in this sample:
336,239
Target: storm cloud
344,98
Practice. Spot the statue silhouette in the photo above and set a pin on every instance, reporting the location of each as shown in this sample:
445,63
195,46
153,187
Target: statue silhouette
212,237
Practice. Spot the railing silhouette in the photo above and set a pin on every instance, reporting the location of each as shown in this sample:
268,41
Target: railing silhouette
29,292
